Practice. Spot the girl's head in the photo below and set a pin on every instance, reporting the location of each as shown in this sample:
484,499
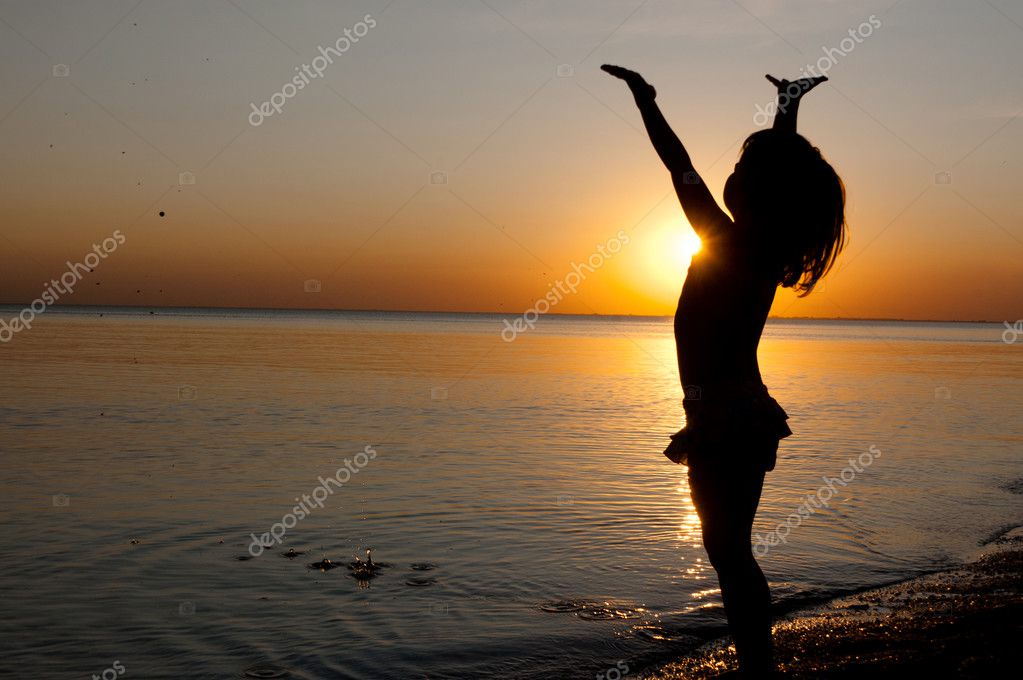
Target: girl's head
783,188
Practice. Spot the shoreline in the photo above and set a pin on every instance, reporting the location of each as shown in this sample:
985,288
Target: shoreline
960,622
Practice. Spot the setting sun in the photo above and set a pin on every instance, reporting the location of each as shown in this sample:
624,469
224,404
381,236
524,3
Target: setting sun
651,271
685,246
667,251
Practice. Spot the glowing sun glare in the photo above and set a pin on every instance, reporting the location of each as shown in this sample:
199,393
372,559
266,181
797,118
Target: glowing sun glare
667,251
686,245
676,251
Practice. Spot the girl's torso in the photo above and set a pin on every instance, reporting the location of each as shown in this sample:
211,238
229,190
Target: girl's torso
721,314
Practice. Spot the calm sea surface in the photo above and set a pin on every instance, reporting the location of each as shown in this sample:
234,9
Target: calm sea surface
140,452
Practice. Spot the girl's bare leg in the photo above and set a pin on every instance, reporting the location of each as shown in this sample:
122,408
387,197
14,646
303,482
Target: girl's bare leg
726,501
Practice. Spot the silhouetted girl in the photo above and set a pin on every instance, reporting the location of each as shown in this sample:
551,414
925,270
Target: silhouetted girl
786,229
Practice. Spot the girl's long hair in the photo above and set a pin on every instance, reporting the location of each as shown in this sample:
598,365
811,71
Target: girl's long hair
795,201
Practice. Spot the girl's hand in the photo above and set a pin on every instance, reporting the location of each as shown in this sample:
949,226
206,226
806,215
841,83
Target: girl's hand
636,83
804,85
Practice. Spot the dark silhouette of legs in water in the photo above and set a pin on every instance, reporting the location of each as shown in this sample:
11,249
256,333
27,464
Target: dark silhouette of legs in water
726,501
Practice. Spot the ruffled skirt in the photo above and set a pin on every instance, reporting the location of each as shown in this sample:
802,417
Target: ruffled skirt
737,424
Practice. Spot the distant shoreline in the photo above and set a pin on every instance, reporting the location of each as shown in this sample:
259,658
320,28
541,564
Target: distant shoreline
499,314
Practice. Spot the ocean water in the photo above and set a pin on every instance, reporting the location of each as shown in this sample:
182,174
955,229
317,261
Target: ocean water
141,452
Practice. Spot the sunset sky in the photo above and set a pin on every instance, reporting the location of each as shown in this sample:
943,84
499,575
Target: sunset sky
462,155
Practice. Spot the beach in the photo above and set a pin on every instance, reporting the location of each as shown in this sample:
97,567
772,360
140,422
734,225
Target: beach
964,622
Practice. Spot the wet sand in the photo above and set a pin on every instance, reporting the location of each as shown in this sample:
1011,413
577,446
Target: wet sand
965,622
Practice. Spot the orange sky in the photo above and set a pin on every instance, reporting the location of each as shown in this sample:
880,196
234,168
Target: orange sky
541,164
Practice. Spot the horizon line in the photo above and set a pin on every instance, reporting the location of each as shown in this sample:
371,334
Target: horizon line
490,313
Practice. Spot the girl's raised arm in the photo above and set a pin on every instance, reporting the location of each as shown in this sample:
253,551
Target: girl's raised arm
789,94
699,205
